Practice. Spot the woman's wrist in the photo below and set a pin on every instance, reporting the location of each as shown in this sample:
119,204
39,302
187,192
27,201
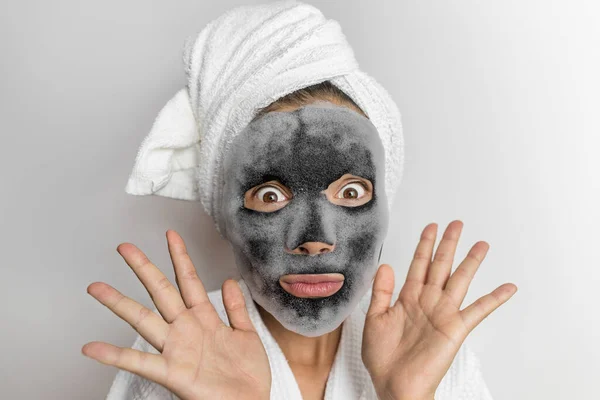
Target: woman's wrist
385,393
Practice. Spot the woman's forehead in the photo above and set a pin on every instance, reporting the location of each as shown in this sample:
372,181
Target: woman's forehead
309,147
305,130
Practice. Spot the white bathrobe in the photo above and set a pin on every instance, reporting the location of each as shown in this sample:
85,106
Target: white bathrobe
347,380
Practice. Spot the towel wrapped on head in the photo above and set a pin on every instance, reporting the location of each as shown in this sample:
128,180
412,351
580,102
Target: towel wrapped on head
239,63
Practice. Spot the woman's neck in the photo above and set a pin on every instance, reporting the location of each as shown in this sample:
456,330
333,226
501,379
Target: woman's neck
301,350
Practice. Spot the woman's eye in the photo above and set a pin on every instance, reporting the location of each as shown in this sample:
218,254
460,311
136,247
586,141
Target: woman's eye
351,191
270,194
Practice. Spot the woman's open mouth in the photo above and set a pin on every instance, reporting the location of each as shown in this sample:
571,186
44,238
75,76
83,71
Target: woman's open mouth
312,285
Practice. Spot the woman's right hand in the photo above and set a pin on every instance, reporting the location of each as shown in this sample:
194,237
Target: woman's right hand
201,357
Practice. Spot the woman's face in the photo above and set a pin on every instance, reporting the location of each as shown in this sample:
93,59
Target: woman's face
304,202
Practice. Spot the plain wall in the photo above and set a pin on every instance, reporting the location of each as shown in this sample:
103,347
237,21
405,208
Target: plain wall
499,101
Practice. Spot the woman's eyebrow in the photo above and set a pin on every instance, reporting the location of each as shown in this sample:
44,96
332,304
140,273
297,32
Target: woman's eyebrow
354,176
265,178
271,177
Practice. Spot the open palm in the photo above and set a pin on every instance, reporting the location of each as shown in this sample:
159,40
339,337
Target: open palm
201,357
409,347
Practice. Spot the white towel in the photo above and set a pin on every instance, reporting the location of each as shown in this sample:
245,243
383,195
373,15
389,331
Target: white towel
348,378
240,62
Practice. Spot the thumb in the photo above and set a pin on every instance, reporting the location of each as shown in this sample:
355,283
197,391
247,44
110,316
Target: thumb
383,288
235,306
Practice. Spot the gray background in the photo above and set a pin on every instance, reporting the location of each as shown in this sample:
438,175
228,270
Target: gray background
500,110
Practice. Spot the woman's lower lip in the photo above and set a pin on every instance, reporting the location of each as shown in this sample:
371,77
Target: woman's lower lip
313,288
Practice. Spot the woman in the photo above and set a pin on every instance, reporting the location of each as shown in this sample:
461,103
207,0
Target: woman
302,192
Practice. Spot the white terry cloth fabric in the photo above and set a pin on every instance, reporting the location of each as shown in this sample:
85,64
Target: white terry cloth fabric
348,379
240,62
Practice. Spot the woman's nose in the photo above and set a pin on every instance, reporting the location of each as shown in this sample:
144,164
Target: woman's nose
311,228
312,248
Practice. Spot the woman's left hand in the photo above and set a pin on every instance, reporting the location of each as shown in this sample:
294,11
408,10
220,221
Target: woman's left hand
409,347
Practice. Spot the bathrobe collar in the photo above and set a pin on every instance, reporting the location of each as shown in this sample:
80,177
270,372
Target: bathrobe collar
348,378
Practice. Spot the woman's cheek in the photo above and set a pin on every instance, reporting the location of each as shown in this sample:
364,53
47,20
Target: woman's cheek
258,235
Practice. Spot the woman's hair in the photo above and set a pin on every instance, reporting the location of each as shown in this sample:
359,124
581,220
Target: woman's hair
301,97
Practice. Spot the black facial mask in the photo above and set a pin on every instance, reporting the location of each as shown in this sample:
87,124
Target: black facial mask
305,151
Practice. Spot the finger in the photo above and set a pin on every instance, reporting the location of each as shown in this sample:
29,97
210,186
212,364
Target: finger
484,306
166,297
439,270
235,306
422,257
383,288
461,278
151,326
190,285
148,365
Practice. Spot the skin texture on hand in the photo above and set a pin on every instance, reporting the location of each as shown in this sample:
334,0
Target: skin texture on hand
201,357
408,347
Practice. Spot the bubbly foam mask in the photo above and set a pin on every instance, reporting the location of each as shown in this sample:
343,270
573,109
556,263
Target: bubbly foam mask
306,150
